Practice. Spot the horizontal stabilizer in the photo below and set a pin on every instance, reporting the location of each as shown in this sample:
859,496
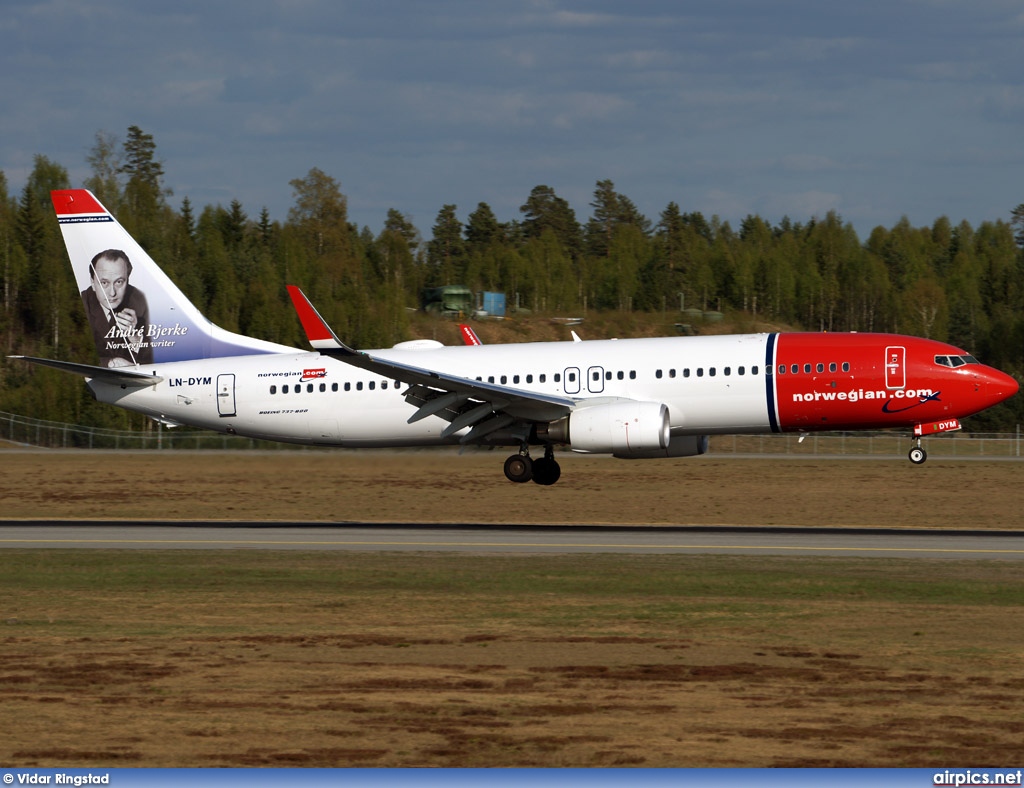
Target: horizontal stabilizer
118,376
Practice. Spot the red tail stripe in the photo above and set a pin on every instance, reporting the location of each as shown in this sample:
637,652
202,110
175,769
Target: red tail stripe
74,201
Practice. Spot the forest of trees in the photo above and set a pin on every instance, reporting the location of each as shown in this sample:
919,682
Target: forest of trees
957,283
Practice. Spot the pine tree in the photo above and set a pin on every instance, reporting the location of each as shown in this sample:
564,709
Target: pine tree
545,210
106,162
446,250
144,192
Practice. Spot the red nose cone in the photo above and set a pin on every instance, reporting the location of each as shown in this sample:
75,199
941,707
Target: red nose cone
1000,386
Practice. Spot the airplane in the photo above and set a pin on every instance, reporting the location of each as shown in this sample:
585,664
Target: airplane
631,398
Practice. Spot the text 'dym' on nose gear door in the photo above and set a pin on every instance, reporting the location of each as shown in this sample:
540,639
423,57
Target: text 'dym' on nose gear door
895,367
226,395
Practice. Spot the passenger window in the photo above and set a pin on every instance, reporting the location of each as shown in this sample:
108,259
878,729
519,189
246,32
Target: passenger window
572,377
632,374
711,372
820,367
529,378
782,369
700,372
742,371
619,375
727,371
657,374
832,367
515,378
795,369
557,377
348,386
686,372
359,386
323,387
607,375
846,366
543,378
373,385
671,373
334,387
298,388
596,376
753,370
490,378
273,389
807,369
284,389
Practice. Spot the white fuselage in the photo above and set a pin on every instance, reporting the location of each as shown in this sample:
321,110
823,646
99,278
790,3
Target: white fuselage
710,385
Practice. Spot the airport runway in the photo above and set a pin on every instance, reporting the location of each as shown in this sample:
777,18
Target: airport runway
868,542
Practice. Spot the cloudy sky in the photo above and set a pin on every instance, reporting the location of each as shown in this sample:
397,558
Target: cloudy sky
874,108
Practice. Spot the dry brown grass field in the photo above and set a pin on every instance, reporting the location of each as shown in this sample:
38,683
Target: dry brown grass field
242,658
442,486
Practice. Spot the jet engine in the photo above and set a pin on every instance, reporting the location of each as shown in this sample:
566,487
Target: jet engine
620,428
681,446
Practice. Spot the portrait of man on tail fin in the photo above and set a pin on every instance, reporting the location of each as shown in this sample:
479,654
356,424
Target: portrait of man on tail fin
117,311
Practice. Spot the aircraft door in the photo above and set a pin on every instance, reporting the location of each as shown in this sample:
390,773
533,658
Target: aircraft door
595,380
895,367
571,380
226,395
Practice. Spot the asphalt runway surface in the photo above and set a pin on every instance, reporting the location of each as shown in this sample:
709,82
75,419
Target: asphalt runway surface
511,539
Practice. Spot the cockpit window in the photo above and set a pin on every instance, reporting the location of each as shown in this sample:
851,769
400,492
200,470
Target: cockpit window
955,361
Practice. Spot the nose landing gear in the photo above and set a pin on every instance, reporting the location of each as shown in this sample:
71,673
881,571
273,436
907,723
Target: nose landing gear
917,453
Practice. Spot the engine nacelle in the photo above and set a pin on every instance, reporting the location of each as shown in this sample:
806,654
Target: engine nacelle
616,428
681,446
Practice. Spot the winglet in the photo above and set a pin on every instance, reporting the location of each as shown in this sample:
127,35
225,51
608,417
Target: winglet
318,333
469,336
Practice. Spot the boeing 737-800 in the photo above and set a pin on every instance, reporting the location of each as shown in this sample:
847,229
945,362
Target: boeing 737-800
632,398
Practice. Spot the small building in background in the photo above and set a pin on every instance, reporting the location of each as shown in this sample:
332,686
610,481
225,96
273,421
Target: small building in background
492,304
450,300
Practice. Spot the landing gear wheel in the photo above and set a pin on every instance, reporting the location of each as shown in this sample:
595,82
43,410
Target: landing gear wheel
546,471
917,455
519,468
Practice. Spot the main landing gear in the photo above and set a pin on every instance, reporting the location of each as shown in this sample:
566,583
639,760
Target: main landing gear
521,468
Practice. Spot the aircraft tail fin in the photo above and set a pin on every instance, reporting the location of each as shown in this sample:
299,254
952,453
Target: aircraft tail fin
137,314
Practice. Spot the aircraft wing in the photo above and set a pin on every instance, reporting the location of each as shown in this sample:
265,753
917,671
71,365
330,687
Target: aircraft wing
119,376
464,402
